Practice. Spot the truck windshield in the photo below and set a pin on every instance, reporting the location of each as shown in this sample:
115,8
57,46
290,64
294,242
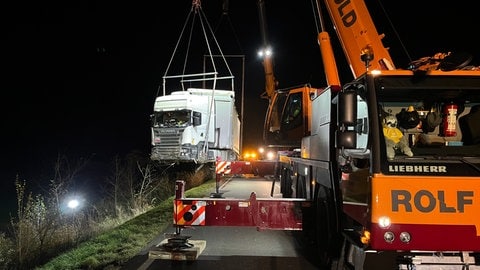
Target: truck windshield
438,116
180,118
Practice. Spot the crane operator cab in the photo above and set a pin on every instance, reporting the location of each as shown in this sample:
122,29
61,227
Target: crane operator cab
293,115
415,119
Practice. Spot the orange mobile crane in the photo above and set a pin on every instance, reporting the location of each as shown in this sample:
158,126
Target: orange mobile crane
390,168
288,112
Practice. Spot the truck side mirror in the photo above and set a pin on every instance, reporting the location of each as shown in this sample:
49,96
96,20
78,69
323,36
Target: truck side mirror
197,118
346,139
152,119
347,108
346,135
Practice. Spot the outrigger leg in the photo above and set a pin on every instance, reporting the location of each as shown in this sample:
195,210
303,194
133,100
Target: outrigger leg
176,246
175,241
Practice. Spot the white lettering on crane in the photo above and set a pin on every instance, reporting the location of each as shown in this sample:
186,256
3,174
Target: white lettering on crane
417,168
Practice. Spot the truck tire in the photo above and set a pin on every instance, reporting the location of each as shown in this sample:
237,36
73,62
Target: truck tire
325,227
301,189
286,183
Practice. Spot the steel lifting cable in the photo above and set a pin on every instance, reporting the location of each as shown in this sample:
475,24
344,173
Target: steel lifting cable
196,10
202,15
205,25
175,51
203,19
196,7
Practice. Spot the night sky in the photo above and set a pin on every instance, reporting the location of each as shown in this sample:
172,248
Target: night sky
80,79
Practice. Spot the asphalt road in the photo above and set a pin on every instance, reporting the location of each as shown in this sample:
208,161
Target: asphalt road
235,247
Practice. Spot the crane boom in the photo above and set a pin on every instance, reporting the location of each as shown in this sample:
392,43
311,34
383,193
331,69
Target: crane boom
328,57
283,129
358,36
270,82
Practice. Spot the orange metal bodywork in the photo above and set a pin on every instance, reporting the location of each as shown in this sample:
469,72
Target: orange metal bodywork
358,35
438,212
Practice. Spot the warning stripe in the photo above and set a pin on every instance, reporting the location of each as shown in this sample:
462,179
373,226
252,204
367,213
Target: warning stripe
223,167
197,215
180,211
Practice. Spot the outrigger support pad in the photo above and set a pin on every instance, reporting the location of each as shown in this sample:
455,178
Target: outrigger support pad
177,242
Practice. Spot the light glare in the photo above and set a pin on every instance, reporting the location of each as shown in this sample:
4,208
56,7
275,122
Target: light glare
384,222
72,204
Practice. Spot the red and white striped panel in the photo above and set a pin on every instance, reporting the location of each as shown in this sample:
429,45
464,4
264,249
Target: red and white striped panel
223,167
189,214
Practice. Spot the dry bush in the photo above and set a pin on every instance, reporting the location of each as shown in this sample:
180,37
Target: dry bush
41,229
7,252
199,176
194,176
30,227
130,188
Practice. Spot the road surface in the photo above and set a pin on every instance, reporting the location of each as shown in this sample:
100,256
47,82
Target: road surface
236,247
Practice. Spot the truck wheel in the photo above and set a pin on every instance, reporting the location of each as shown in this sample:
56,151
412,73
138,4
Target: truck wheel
286,183
325,227
301,191
341,263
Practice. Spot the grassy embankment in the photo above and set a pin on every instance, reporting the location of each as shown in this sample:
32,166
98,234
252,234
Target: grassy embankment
114,248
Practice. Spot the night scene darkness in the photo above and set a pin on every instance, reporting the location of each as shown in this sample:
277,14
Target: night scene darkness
80,78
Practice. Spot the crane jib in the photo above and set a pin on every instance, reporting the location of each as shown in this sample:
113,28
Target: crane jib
345,11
